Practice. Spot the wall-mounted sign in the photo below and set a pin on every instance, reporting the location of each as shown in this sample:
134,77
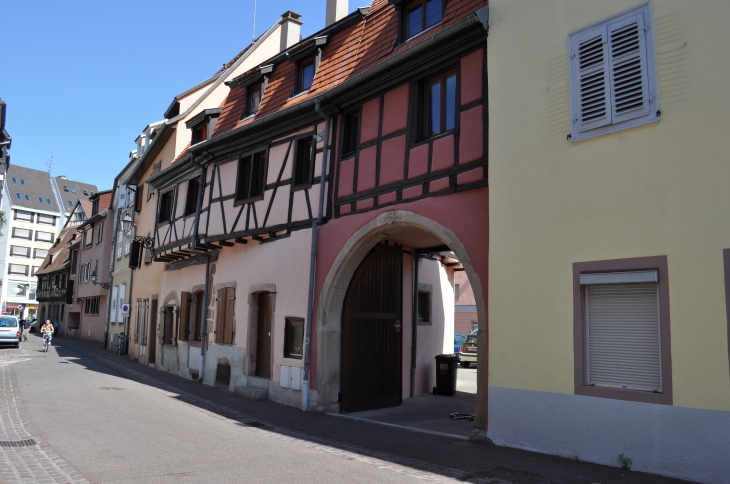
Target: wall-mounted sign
125,309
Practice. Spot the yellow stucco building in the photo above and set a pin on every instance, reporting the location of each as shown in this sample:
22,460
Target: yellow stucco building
609,197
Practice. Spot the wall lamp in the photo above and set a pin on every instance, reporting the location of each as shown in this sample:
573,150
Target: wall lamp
105,285
146,242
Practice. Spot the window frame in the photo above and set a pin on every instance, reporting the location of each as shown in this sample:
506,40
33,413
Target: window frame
17,212
425,115
171,193
658,263
40,216
15,229
428,295
28,251
24,273
249,90
299,87
405,8
199,133
35,253
191,204
239,200
350,140
299,184
289,323
654,111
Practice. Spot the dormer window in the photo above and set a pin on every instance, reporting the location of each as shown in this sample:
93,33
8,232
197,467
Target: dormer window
253,98
200,133
22,182
203,125
65,188
305,77
95,207
420,15
73,190
14,180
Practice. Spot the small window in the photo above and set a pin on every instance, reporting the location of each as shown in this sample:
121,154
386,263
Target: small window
22,182
440,104
46,219
91,305
18,269
165,213
17,195
99,232
18,251
294,338
86,193
306,75
613,75
44,236
65,188
48,201
19,233
70,203
73,190
40,199
200,133
138,198
86,271
253,99
251,176
303,163
351,127
14,180
23,216
191,200
420,15
40,253
27,197
424,307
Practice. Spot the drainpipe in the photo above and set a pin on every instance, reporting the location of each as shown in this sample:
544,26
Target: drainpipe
313,261
414,332
204,322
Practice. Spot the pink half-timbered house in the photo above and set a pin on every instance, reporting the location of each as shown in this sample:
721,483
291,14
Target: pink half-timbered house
338,172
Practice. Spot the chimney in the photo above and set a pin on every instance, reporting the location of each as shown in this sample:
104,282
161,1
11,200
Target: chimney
336,9
290,28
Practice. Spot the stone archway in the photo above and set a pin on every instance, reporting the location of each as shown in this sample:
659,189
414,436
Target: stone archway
334,289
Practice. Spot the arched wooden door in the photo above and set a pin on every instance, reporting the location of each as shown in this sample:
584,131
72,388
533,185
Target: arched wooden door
372,333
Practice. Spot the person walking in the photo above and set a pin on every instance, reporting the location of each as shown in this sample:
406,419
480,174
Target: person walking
55,328
26,329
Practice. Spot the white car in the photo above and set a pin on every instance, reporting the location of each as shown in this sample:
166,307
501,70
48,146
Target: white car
10,330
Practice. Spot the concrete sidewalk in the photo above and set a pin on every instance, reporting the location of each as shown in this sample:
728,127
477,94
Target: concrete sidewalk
449,456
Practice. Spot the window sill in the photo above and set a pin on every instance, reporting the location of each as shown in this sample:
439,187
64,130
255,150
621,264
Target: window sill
576,136
626,395
247,117
301,186
244,201
433,138
419,34
301,93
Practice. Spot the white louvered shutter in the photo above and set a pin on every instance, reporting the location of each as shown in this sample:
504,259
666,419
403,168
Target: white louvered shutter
630,96
122,295
623,338
591,93
113,313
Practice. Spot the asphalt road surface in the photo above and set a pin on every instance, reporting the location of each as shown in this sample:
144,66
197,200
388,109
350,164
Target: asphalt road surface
97,417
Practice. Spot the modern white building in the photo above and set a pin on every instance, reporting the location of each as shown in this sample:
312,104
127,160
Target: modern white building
35,209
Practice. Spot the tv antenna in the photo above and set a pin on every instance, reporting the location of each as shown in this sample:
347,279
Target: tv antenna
49,163
253,37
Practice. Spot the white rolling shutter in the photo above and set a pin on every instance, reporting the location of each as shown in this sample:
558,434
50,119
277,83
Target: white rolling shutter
623,339
122,291
589,56
628,68
113,312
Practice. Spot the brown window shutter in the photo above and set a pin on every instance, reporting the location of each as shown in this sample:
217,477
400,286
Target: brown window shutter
138,198
220,315
184,330
230,306
134,253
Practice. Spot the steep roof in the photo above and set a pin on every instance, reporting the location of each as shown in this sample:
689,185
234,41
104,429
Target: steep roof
59,254
351,51
25,185
67,188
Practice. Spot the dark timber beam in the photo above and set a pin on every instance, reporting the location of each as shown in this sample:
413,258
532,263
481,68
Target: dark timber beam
433,250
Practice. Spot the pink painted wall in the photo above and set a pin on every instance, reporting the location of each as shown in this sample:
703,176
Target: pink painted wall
471,227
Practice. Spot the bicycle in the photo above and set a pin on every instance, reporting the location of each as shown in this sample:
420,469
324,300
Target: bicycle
46,342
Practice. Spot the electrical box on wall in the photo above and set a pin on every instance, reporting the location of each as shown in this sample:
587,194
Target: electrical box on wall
290,377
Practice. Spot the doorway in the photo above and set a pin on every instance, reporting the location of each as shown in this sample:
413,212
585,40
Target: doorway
263,335
371,333
152,352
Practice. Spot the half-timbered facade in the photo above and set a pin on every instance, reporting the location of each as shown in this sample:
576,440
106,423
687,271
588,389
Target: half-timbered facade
366,120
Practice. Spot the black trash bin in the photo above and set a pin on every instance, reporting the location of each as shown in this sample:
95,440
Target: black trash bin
446,374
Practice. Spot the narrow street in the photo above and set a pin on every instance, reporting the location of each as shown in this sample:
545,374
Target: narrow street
97,417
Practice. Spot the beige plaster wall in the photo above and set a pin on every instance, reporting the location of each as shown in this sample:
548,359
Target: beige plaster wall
661,189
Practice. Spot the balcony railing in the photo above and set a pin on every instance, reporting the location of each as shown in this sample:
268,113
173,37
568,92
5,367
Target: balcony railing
48,294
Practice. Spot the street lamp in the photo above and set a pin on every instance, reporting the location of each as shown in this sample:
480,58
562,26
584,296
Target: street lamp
146,242
105,285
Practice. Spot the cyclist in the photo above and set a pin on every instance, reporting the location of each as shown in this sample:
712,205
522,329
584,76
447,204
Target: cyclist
47,332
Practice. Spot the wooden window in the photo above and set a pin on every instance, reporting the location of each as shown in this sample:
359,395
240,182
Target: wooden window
253,99
224,322
185,314
165,213
99,232
251,176
86,271
424,307
91,306
613,75
198,312
305,76
294,338
420,15
303,162
440,104
191,200
200,133
351,127
134,254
